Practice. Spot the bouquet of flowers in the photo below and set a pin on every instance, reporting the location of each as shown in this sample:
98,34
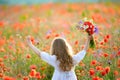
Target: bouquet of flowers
90,28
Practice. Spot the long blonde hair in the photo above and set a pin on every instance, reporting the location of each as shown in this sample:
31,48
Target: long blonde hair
63,52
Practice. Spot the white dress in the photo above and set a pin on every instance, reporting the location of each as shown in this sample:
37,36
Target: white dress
58,74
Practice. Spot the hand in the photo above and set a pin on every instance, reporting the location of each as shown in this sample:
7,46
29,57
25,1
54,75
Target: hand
28,39
90,37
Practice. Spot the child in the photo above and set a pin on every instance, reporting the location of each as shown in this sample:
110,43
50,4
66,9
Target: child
61,58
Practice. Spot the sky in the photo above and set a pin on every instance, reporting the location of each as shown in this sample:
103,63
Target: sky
13,2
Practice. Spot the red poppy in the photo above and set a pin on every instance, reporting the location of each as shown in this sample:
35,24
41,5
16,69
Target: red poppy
108,36
26,78
105,54
1,59
1,23
97,78
99,68
1,75
116,72
18,26
2,41
118,53
103,72
90,27
33,67
38,76
107,69
48,36
28,56
8,78
32,40
101,43
76,42
93,62
118,63
56,35
91,72
105,40
2,50
32,73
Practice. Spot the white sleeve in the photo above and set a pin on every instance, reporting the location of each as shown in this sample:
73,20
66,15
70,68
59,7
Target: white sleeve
79,56
47,58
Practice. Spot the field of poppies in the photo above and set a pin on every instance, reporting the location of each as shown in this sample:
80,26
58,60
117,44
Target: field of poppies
46,21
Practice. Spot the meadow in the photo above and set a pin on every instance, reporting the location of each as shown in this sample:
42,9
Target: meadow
44,22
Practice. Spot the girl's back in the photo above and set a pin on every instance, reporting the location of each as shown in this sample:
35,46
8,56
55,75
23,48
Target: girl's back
61,58
58,73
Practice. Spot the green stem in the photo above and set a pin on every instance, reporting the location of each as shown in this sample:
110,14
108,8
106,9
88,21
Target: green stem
92,43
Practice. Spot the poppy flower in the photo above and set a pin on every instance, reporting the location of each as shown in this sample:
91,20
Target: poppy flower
32,73
103,72
2,41
1,75
1,23
92,72
90,28
47,36
105,40
115,48
93,62
28,56
97,78
76,42
38,76
2,64
99,68
118,53
26,78
19,26
2,50
118,64
8,78
56,35
32,40
116,72
33,67
107,69
101,43
108,36
1,59
105,54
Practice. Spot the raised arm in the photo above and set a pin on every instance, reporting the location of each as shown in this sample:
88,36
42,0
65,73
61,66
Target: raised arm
35,49
43,55
87,43
80,55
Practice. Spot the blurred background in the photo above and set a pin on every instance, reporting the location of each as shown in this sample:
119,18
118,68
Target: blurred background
54,18
13,2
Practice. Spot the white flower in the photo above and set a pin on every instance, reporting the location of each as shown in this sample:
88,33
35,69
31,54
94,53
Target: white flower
85,27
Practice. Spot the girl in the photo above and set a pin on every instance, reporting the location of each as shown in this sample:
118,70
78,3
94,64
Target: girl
61,58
